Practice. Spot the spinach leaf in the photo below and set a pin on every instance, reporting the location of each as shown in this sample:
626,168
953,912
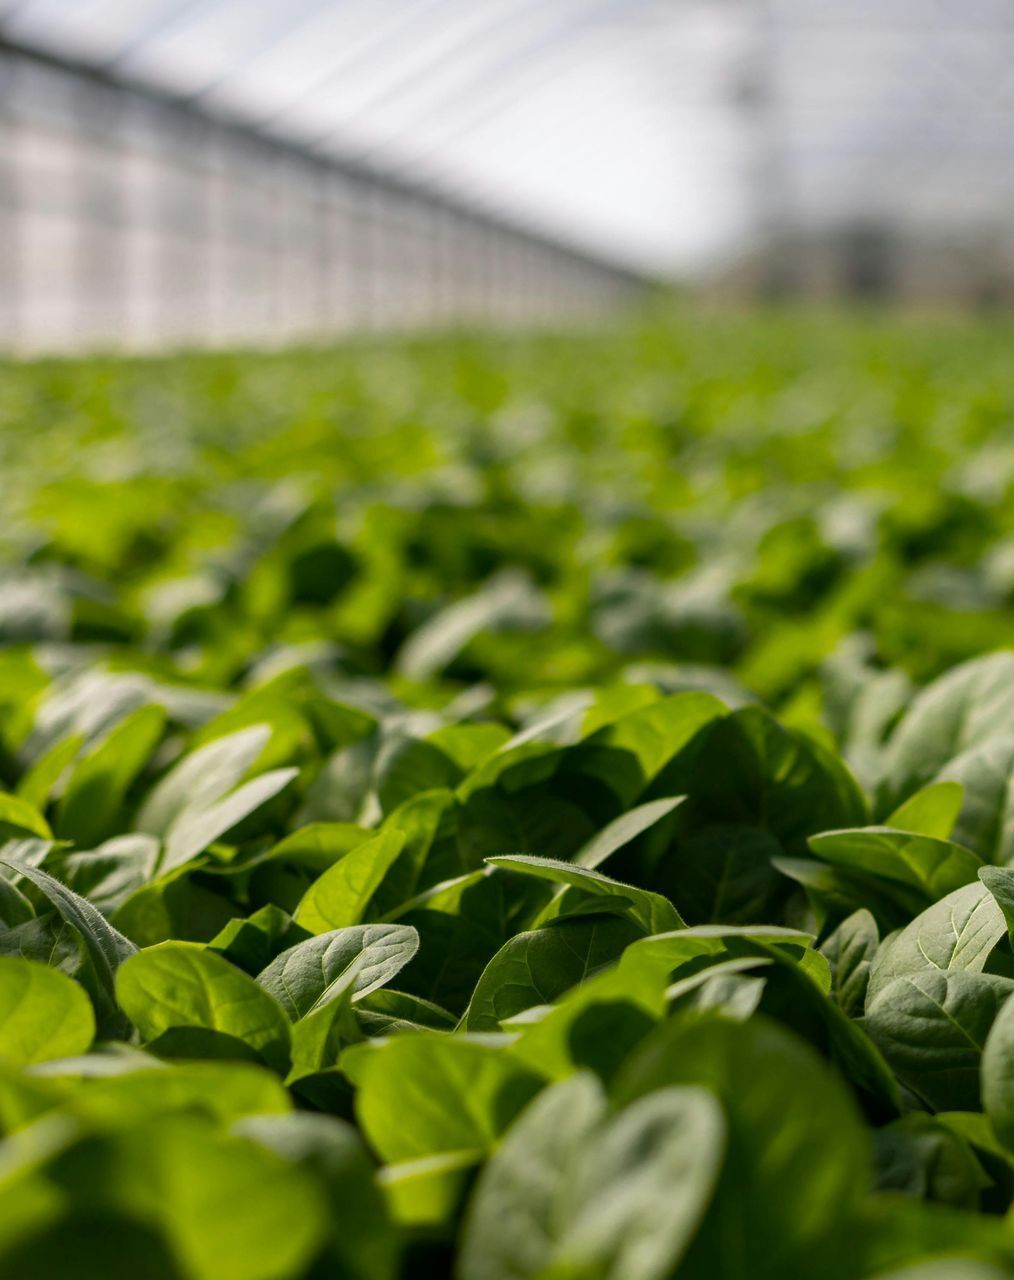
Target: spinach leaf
43,1013
182,984
932,1028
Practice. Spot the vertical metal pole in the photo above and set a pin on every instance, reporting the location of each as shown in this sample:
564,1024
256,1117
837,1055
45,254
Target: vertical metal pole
378,257
84,126
441,273
216,206
341,232
363,254
275,245
769,174
166,276
101,266
322,283
488,270
139,301
207,242
262,187
452,266
430,265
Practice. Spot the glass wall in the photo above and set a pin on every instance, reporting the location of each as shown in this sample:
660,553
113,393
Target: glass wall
129,220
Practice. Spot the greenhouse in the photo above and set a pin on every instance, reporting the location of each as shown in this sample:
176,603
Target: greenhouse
506,640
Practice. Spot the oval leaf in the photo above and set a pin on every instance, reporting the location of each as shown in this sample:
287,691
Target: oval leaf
43,1013
183,984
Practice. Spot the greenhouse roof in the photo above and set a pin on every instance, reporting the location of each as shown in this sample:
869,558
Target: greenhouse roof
661,132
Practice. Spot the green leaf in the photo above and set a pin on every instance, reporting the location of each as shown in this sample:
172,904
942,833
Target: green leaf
835,892
593,1025
304,977
931,1027
998,1075
15,908
202,778
427,1193
320,1035
724,874
932,811
642,1186
108,875
226,1207
1000,883
934,867
507,599
631,752
795,987
985,772
200,825
316,846
173,907
623,830
18,818
37,784
116,1090
538,966
734,988
385,1011
788,1186
957,933
750,771
43,1013
851,950
660,959
925,1158
896,1230
571,1193
279,876
49,940
182,984
419,821
469,743
95,791
340,896
105,946
192,1044
535,817
949,1268
462,924
362,1244
405,766
420,1094
253,941
790,996
344,790
964,708
649,911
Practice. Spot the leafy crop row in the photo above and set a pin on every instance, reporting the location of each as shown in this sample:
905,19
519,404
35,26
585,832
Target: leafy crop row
532,811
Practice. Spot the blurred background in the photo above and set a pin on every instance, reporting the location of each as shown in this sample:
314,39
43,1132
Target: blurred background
178,172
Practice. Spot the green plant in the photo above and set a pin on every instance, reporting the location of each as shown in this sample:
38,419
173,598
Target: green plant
534,809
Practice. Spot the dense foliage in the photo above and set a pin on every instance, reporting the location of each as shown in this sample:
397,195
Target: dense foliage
508,810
